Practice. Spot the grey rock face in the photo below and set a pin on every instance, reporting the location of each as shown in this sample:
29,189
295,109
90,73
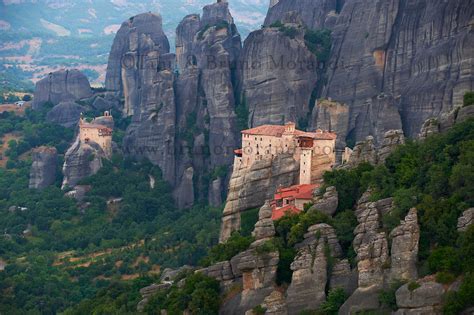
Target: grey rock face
275,304
404,251
185,33
426,299
332,116
215,192
151,134
60,86
370,243
279,75
466,219
134,41
314,13
391,140
264,228
308,282
81,160
66,114
430,127
366,151
249,187
43,168
381,47
327,202
184,193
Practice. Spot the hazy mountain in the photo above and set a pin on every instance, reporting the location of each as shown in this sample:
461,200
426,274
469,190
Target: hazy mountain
40,36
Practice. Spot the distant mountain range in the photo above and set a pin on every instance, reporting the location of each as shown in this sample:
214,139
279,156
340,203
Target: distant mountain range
40,36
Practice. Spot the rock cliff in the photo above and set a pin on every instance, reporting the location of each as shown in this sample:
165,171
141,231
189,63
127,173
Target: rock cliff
183,120
384,47
43,168
81,160
250,187
60,86
135,50
279,76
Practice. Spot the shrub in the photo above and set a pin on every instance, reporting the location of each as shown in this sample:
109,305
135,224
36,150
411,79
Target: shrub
387,297
319,43
462,299
336,297
221,252
259,310
445,277
444,259
468,99
248,220
413,285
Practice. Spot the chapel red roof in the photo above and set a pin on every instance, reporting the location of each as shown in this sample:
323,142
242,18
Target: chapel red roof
279,213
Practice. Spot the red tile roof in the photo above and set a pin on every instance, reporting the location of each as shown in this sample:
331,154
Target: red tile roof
238,151
278,131
304,191
278,213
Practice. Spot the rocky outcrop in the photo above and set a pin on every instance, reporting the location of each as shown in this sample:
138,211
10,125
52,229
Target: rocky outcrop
388,51
81,160
279,75
43,168
256,266
264,228
404,250
316,14
363,152
445,121
367,152
149,291
391,140
466,220
135,51
332,116
61,86
66,114
310,268
275,304
371,246
424,300
249,187
327,202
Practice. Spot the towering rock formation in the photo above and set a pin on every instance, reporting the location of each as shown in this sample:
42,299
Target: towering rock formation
183,105
81,160
417,53
332,116
135,50
43,168
60,86
279,75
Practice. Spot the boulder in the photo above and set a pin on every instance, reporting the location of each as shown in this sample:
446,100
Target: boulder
264,228
66,114
327,202
61,86
465,113
43,168
275,304
430,127
426,299
466,219
364,151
